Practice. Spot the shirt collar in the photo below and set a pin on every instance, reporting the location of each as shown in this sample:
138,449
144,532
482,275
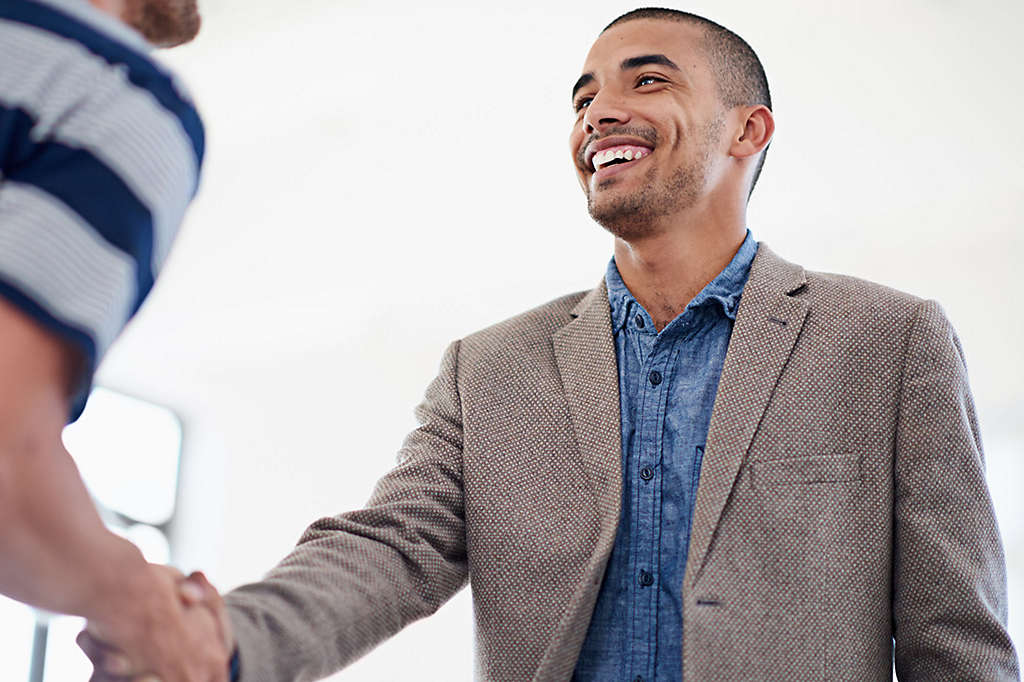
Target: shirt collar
724,290
619,296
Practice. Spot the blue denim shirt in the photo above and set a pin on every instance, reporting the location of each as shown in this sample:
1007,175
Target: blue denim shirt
667,386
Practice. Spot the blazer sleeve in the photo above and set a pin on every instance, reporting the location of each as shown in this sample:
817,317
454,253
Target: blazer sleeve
949,575
355,579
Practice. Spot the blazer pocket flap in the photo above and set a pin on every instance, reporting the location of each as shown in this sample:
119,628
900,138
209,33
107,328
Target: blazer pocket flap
818,469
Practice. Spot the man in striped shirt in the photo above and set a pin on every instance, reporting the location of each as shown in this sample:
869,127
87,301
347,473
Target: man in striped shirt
100,152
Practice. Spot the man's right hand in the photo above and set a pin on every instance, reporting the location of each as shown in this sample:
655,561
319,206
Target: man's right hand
179,633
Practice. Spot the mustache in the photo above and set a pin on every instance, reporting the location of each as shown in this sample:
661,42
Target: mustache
649,135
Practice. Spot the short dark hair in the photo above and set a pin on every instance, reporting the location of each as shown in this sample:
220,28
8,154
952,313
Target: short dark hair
738,72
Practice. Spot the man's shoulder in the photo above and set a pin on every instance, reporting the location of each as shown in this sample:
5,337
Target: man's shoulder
528,329
855,293
74,68
836,293
77,21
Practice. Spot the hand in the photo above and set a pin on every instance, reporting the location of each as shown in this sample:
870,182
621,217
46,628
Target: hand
190,642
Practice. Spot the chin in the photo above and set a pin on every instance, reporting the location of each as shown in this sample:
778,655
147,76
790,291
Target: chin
627,217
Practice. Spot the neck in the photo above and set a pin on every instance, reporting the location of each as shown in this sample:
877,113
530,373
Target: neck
115,8
667,268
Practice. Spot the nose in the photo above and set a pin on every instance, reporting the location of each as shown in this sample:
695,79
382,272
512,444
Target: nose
605,110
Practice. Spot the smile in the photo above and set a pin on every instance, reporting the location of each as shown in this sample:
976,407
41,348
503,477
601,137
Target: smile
617,155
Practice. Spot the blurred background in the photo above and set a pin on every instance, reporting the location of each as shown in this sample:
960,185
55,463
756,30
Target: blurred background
383,178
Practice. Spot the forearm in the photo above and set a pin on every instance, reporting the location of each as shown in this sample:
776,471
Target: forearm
57,553
359,577
337,596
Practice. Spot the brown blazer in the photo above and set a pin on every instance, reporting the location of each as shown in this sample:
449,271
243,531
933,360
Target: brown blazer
842,503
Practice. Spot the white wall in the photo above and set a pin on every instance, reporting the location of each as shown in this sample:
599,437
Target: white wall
384,178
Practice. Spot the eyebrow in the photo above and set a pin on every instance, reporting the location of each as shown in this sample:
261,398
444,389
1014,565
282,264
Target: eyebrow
634,62
626,65
584,80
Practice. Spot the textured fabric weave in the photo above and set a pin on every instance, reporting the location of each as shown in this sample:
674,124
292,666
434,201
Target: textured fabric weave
100,152
842,503
667,385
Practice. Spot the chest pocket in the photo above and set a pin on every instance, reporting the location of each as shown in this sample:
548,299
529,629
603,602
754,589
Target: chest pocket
835,468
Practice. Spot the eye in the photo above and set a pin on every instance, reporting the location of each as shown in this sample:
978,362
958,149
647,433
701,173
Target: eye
581,104
649,80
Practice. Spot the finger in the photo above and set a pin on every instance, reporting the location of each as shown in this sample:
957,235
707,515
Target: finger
105,659
210,594
95,631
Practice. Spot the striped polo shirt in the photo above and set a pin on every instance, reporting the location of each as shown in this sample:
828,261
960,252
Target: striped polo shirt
100,152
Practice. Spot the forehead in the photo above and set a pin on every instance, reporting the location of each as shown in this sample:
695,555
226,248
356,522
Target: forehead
679,41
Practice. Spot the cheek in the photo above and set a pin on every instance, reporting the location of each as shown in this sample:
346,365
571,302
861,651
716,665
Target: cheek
573,146
575,140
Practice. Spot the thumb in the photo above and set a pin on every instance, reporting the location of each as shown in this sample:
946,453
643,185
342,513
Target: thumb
191,592
213,600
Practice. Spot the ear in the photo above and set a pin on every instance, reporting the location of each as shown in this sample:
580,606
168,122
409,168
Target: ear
758,128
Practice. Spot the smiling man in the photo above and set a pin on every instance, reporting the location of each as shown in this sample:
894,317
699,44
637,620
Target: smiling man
715,465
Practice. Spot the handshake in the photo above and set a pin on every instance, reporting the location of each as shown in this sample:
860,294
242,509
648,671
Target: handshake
178,632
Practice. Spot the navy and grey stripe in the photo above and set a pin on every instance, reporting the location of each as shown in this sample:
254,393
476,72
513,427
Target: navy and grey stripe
141,70
93,290
100,153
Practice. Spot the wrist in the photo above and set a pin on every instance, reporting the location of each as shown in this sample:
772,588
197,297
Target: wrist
128,596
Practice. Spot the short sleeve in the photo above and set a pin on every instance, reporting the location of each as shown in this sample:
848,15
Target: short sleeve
100,153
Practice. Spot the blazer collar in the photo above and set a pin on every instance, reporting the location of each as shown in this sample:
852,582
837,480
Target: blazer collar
590,304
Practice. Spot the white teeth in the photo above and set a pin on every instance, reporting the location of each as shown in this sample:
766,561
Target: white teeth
602,158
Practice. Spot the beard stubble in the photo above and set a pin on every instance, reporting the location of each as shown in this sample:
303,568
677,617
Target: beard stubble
165,23
634,216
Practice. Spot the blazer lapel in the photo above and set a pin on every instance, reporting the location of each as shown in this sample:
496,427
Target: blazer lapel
768,323
585,352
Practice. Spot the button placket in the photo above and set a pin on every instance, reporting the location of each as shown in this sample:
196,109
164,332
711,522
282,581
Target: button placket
652,383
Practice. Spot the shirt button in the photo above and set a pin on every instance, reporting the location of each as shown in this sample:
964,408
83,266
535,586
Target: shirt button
646,579
639,321
655,377
647,473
